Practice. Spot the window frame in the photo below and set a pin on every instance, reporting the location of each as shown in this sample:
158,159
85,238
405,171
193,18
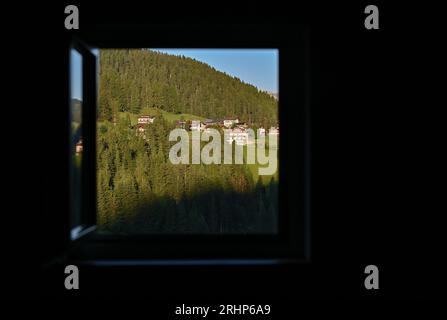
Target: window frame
293,239
88,167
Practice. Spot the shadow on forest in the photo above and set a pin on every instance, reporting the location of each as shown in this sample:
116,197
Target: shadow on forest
211,211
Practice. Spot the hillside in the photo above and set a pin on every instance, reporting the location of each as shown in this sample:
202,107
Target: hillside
168,116
133,80
76,110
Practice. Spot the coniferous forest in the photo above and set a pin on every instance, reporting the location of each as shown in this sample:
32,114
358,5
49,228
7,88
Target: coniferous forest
131,80
139,189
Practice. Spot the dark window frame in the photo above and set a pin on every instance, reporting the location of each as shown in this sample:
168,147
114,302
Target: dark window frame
293,240
88,171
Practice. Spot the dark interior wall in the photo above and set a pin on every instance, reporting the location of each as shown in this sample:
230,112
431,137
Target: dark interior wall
364,207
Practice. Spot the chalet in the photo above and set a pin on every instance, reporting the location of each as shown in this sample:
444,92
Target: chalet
211,122
229,122
79,147
145,119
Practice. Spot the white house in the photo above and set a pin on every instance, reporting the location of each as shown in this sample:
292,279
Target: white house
210,122
145,119
197,125
79,147
229,122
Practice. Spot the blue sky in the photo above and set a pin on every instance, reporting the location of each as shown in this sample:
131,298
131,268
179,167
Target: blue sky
258,67
76,74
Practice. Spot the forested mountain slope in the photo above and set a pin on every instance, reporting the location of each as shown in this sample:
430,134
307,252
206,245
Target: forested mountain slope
131,80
